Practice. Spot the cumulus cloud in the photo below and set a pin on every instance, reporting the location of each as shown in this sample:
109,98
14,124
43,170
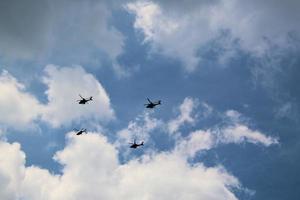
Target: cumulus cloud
179,29
12,161
157,176
139,129
90,162
64,85
195,142
19,108
186,115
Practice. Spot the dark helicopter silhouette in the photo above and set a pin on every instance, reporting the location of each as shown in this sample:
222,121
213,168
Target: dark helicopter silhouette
84,100
79,132
134,145
152,104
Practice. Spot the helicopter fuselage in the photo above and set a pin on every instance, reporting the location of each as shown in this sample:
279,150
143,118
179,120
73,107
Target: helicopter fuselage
134,145
151,105
83,101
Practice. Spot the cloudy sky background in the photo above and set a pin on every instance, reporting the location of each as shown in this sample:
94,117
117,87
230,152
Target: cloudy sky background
227,73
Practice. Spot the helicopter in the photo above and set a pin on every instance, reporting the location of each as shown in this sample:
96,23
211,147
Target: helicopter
152,104
135,145
79,132
84,100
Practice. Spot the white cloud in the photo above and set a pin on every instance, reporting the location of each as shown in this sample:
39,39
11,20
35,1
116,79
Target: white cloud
201,140
196,141
233,116
206,109
148,18
236,132
180,29
139,129
64,84
166,176
241,133
12,168
186,115
173,35
18,107
90,162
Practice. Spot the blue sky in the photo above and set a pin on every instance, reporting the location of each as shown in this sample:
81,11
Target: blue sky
226,72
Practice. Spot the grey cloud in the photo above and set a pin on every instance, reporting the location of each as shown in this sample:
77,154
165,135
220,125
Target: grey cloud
24,27
186,5
67,31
